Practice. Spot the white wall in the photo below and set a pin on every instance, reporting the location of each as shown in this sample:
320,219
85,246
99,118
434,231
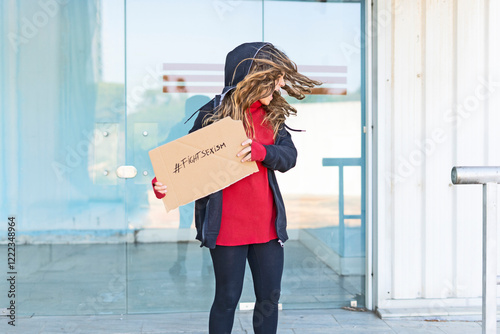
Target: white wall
436,105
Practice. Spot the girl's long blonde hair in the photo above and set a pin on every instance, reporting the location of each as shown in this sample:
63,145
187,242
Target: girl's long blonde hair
267,67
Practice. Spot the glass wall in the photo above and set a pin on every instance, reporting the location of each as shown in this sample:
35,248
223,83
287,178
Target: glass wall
87,87
323,192
62,138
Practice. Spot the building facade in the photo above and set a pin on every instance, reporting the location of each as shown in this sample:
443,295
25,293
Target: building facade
436,98
89,87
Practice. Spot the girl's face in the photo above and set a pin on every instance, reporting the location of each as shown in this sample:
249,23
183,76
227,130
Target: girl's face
280,82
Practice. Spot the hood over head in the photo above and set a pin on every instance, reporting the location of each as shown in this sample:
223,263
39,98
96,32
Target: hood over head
238,63
235,70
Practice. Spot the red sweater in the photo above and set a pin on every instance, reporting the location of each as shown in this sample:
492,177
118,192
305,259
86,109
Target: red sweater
248,211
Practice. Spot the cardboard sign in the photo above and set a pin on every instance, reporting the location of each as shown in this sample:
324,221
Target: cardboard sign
201,162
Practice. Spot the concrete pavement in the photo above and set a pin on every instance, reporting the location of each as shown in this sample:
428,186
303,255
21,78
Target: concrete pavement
319,321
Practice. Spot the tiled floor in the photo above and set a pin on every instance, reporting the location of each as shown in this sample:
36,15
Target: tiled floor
105,279
168,288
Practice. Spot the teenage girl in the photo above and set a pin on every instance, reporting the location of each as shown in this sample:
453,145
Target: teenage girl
247,221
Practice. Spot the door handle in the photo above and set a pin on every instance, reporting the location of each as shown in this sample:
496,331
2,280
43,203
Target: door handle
126,172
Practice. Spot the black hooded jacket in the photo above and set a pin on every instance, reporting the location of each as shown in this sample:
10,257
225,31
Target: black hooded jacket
280,156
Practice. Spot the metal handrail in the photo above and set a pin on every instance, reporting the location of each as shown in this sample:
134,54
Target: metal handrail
475,175
489,177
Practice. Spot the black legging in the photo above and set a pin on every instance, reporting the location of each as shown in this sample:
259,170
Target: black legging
266,263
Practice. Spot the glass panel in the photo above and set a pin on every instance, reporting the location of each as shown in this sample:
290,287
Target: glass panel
181,70
352,190
165,86
62,137
61,142
325,186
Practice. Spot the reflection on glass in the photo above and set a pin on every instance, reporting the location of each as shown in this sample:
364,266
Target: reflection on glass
62,141
67,113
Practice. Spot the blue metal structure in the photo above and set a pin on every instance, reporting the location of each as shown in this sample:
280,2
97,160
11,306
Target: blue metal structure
341,163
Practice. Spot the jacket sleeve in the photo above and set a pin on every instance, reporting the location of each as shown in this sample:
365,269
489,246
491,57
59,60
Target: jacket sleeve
157,194
282,155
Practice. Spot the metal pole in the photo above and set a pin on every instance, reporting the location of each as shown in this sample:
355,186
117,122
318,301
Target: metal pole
489,258
489,177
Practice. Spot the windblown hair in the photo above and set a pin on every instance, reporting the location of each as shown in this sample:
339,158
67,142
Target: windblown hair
267,67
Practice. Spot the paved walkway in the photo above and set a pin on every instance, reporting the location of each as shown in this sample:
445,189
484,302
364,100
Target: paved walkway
319,321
